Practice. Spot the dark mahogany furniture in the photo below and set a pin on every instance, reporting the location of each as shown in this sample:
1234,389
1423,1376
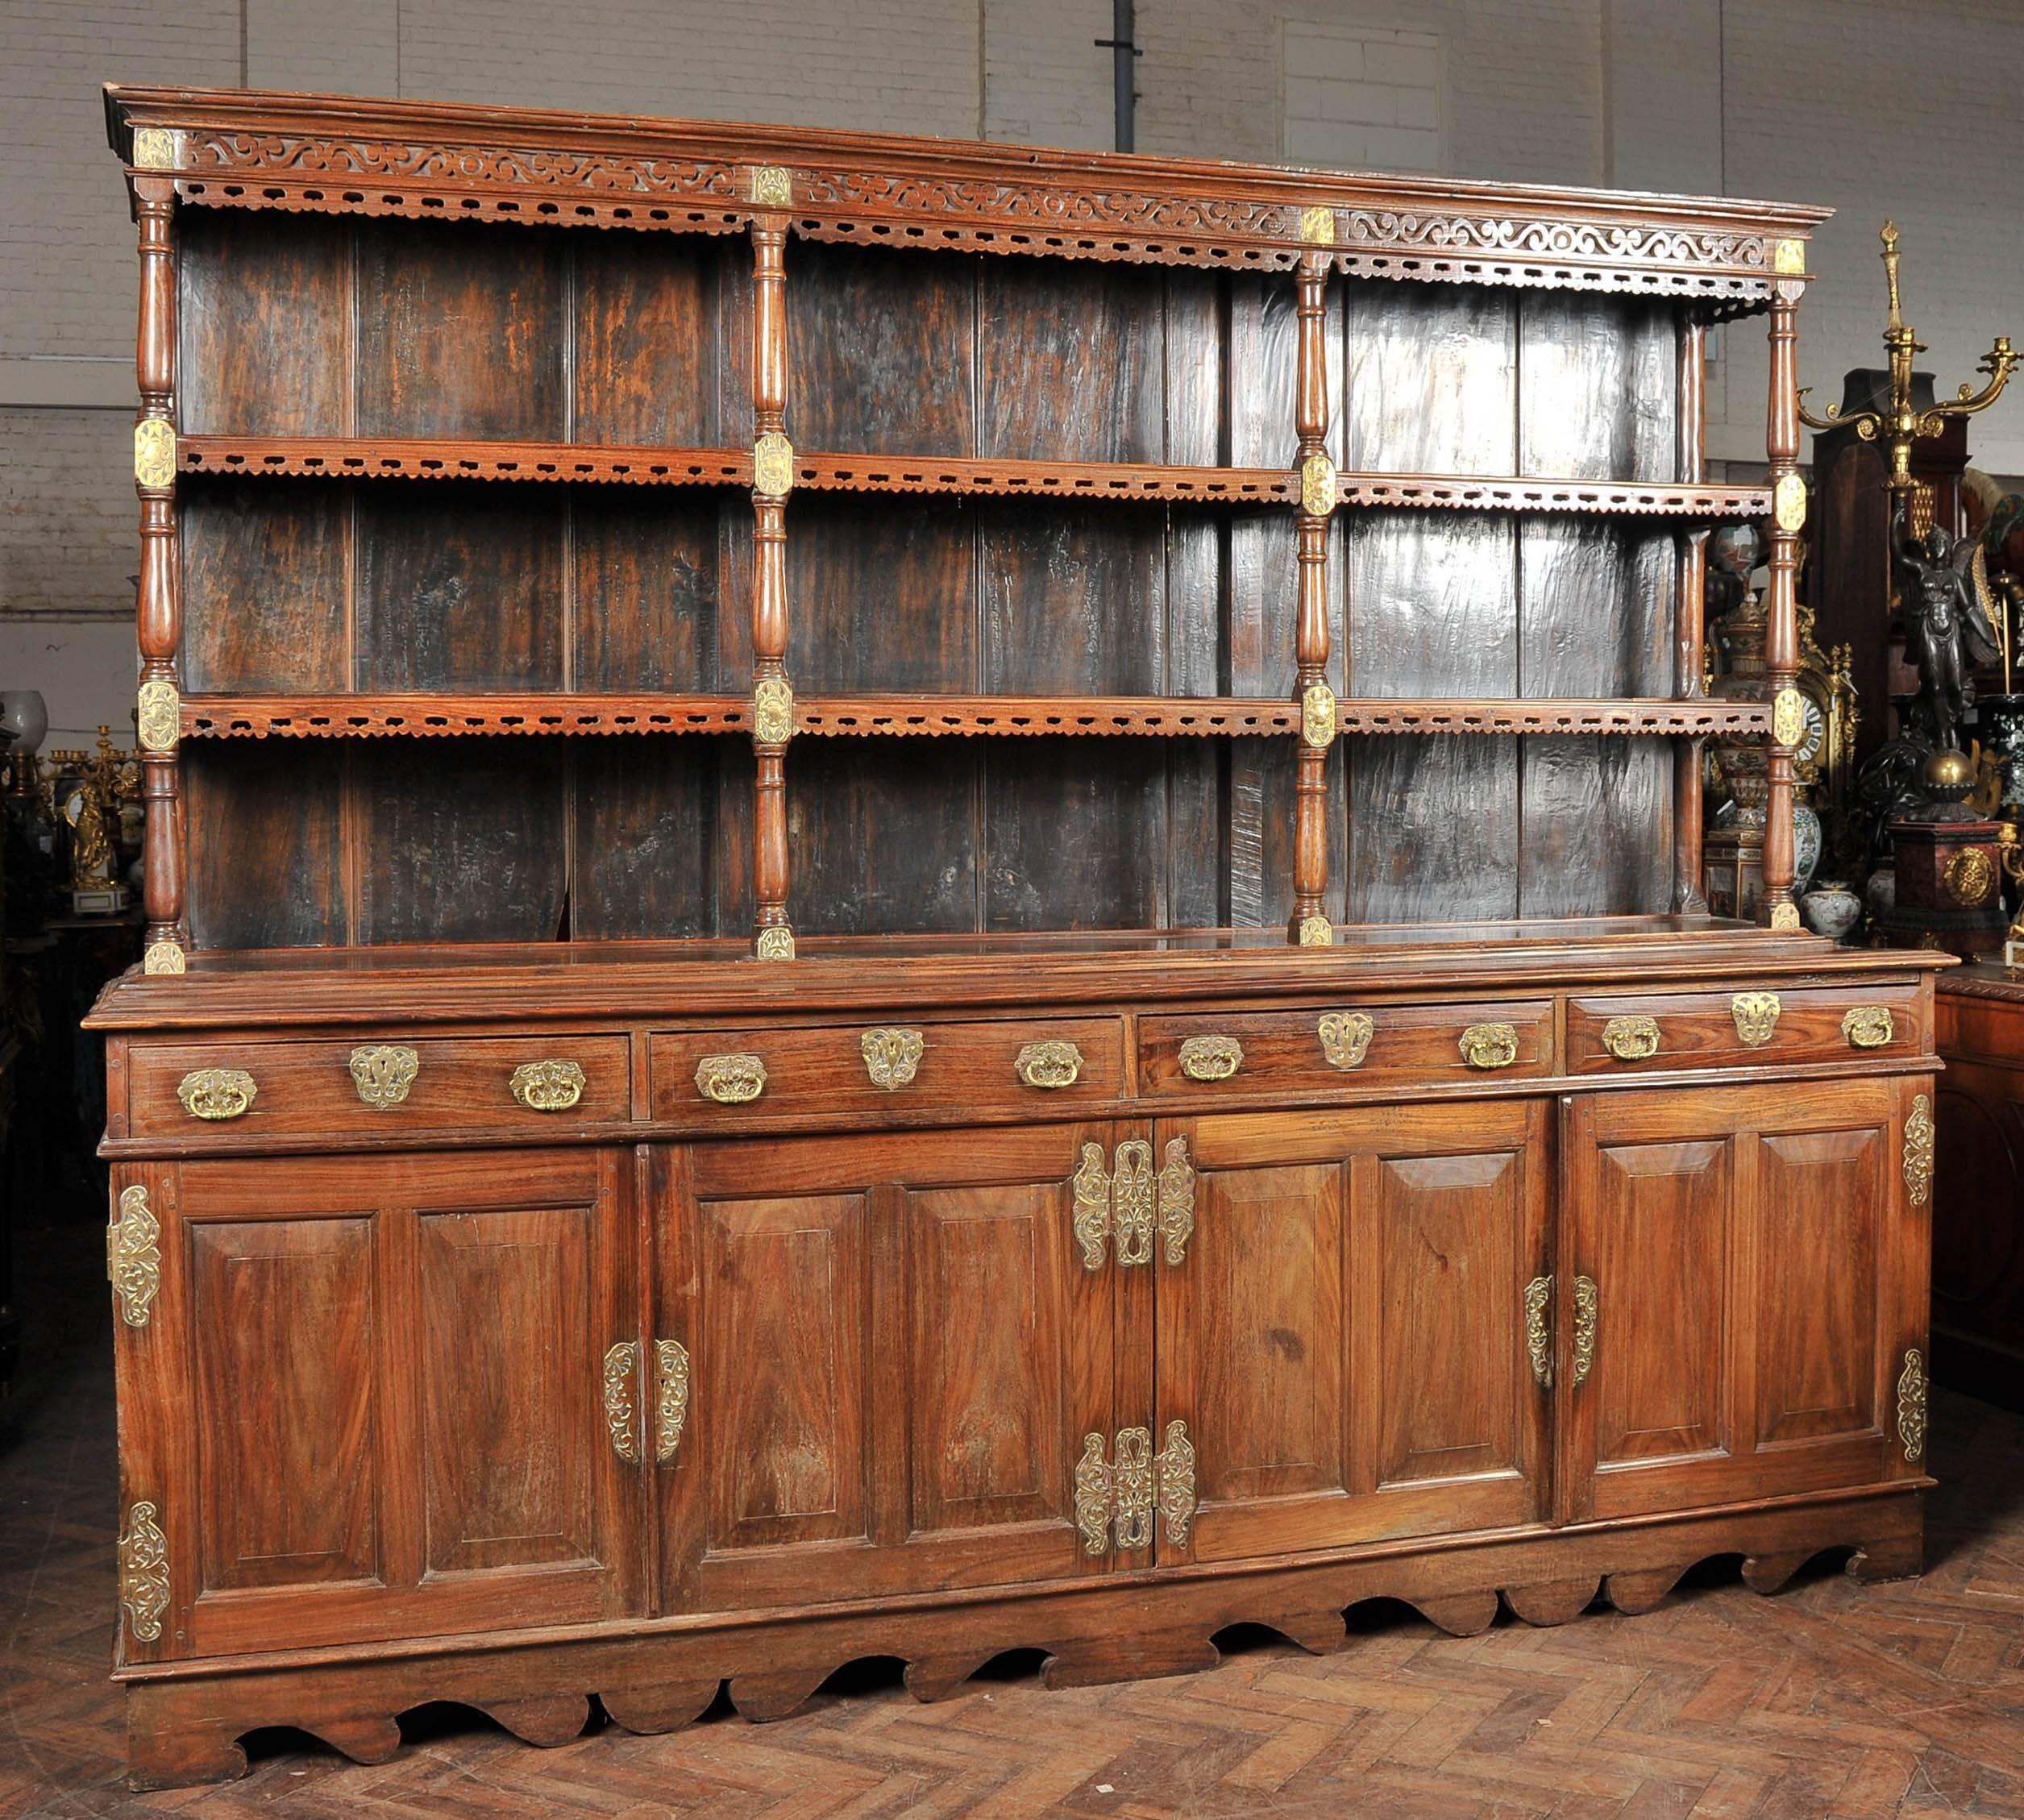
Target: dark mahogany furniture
1978,1194
910,899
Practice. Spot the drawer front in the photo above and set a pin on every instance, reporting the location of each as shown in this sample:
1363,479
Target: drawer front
1330,1048
1758,1027
727,1077
344,1090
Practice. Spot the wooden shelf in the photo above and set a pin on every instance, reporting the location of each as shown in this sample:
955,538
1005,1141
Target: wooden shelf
398,459
368,717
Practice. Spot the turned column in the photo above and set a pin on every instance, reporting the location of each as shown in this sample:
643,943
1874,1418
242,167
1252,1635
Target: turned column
1781,643
772,479
1690,625
1310,925
159,721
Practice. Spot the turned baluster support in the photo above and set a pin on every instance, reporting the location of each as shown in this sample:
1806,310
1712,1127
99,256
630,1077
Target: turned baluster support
1690,625
772,479
1309,926
1781,643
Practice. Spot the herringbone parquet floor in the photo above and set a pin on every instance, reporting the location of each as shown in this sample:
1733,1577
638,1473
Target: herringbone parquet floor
1828,1700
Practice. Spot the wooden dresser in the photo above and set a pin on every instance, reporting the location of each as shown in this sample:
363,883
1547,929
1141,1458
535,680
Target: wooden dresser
1978,1204
909,899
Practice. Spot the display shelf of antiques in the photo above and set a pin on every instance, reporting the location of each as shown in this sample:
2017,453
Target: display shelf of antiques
1114,1032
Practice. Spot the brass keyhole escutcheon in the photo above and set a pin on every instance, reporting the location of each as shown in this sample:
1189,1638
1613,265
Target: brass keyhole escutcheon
1345,1037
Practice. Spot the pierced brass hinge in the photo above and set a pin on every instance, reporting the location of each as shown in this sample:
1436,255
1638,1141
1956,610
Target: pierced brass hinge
1918,1151
1538,1332
1911,1406
1587,1308
622,1407
1115,1500
671,1398
1121,1207
133,1256
143,1572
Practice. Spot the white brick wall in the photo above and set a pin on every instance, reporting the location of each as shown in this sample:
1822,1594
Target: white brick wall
1360,96
1800,98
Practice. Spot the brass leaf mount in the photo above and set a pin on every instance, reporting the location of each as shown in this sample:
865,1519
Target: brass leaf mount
1133,1198
1317,499
158,715
1317,715
1918,1151
772,711
1911,1406
1318,225
891,1057
133,1256
1317,931
164,957
383,1073
772,187
1789,512
772,465
775,943
217,1095
154,148
143,1572
155,454
1345,1037
1787,716
1755,1017
547,1086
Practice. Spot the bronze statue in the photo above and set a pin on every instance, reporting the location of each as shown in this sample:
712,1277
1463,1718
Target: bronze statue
1945,631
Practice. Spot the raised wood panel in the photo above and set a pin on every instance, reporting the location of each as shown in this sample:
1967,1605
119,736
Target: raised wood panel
264,321
1449,1234
783,1351
1661,1232
264,841
509,1320
1821,1199
285,1334
264,587
648,331
461,334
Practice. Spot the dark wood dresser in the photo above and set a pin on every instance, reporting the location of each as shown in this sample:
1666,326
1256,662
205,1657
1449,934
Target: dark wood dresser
1978,1195
908,899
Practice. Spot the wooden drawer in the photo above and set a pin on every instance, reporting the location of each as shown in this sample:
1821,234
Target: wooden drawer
457,1084
707,1077
1658,1033
1246,1052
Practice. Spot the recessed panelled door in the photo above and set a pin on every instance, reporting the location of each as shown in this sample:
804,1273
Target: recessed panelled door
394,1382
1344,1333
895,1352
1728,1325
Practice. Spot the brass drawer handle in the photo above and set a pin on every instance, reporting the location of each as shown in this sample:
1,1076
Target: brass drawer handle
1049,1066
1211,1058
1631,1039
1868,1026
1489,1045
891,1057
1345,1037
547,1086
217,1094
1756,1017
383,1073
730,1080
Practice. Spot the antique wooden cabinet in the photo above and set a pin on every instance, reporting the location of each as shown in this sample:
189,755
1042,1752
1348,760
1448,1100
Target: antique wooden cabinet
910,899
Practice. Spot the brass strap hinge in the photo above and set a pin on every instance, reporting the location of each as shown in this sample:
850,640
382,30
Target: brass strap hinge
1115,1204
1538,1330
1911,1406
1177,1201
620,1392
143,1572
1918,1151
1115,1500
671,1398
1587,1300
133,1256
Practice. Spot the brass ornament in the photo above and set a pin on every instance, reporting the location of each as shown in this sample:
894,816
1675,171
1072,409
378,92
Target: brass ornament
1755,1015
1788,504
1173,1482
1318,225
772,711
1918,1151
217,1094
383,1073
730,1080
1345,1037
1132,1203
1787,716
164,957
1049,1066
1539,1346
621,1368
1911,1406
1868,1026
1971,877
1211,1058
1489,1046
775,943
1317,715
1093,1497
143,1572
772,465
1132,1487
1789,257
891,1057
1090,1220
771,187
154,453
1587,1300
1631,1039
1176,1202
671,1398
133,1256
1317,931
158,715
154,148
1784,917
547,1086
1317,486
